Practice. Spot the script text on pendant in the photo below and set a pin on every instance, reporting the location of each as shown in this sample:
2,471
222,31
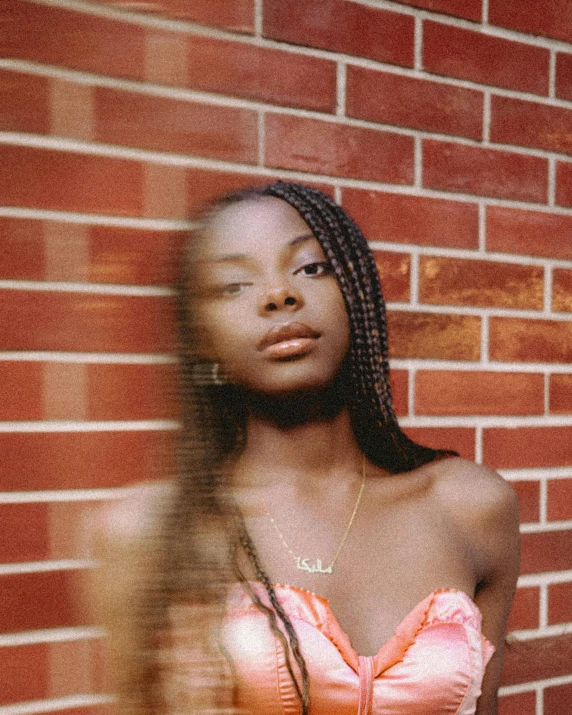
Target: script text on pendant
305,565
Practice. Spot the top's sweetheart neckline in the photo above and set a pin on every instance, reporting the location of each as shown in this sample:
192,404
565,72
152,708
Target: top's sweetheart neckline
400,626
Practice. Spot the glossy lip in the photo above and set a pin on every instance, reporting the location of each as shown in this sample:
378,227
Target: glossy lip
287,331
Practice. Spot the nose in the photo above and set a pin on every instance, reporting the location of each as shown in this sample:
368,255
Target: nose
279,296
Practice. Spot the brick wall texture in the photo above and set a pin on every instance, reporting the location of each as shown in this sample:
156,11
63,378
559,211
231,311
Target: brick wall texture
444,127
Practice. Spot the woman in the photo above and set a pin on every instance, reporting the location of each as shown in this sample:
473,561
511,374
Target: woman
337,566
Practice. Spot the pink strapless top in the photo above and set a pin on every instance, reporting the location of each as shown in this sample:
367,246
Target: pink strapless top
432,665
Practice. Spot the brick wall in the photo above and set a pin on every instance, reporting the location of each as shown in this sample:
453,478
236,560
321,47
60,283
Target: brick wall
443,126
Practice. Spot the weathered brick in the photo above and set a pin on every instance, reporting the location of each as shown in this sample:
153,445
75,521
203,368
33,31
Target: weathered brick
528,495
525,609
395,273
523,340
456,281
511,448
434,335
560,393
553,18
559,507
560,603
562,290
529,233
563,183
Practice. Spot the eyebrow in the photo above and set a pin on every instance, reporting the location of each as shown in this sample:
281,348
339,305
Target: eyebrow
229,257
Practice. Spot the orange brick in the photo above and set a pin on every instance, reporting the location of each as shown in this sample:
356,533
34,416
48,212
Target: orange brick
434,335
469,9
444,392
457,52
528,495
557,699
171,125
22,255
525,340
456,281
546,551
529,233
77,40
488,172
561,394
524,612
17,663
204,186
329,148
562,290
20,391
559,603
559,499
519,704
350,28
399,390
522,664
409,102
413,219
563,183
30,523
554,21
458,439
259,73
81,460
395,273
66,181
83,322
526,123
527,447
237,15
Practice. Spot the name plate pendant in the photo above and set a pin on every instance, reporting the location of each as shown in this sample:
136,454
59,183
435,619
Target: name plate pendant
307,565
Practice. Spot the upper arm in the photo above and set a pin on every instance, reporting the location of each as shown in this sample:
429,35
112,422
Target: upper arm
486,510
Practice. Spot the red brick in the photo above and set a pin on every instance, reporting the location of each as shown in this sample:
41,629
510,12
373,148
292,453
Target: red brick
20,391
32,320
162,124
130,392
399,390
17,664
395,273
410,102
564,75
529,233
444,392
260,73
25,105
22,254
488,172
37,600
516,448
459,439
30,523
77,40
80,460
553,18
561,394
557,699
456,52
336,149
340,26
559,603
525,123
518,704
66,181
434,335
528,495
546,551
455,281
469,9
419,220
563,183
562,290
237,15
559,499
538,659
524,612
523,340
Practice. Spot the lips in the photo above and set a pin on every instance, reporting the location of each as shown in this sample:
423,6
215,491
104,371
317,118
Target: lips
285,332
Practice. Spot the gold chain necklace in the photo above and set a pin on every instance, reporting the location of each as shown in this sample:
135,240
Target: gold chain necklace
303,564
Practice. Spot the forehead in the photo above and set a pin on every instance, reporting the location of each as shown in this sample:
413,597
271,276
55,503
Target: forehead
252,225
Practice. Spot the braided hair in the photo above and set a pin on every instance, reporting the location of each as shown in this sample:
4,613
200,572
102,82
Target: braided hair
195,564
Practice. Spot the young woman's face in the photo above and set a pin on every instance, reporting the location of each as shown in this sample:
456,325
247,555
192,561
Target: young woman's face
270,307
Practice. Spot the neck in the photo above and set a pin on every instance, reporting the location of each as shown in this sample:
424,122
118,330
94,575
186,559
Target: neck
297,439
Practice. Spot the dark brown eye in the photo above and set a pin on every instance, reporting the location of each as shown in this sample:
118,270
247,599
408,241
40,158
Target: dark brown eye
314,269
